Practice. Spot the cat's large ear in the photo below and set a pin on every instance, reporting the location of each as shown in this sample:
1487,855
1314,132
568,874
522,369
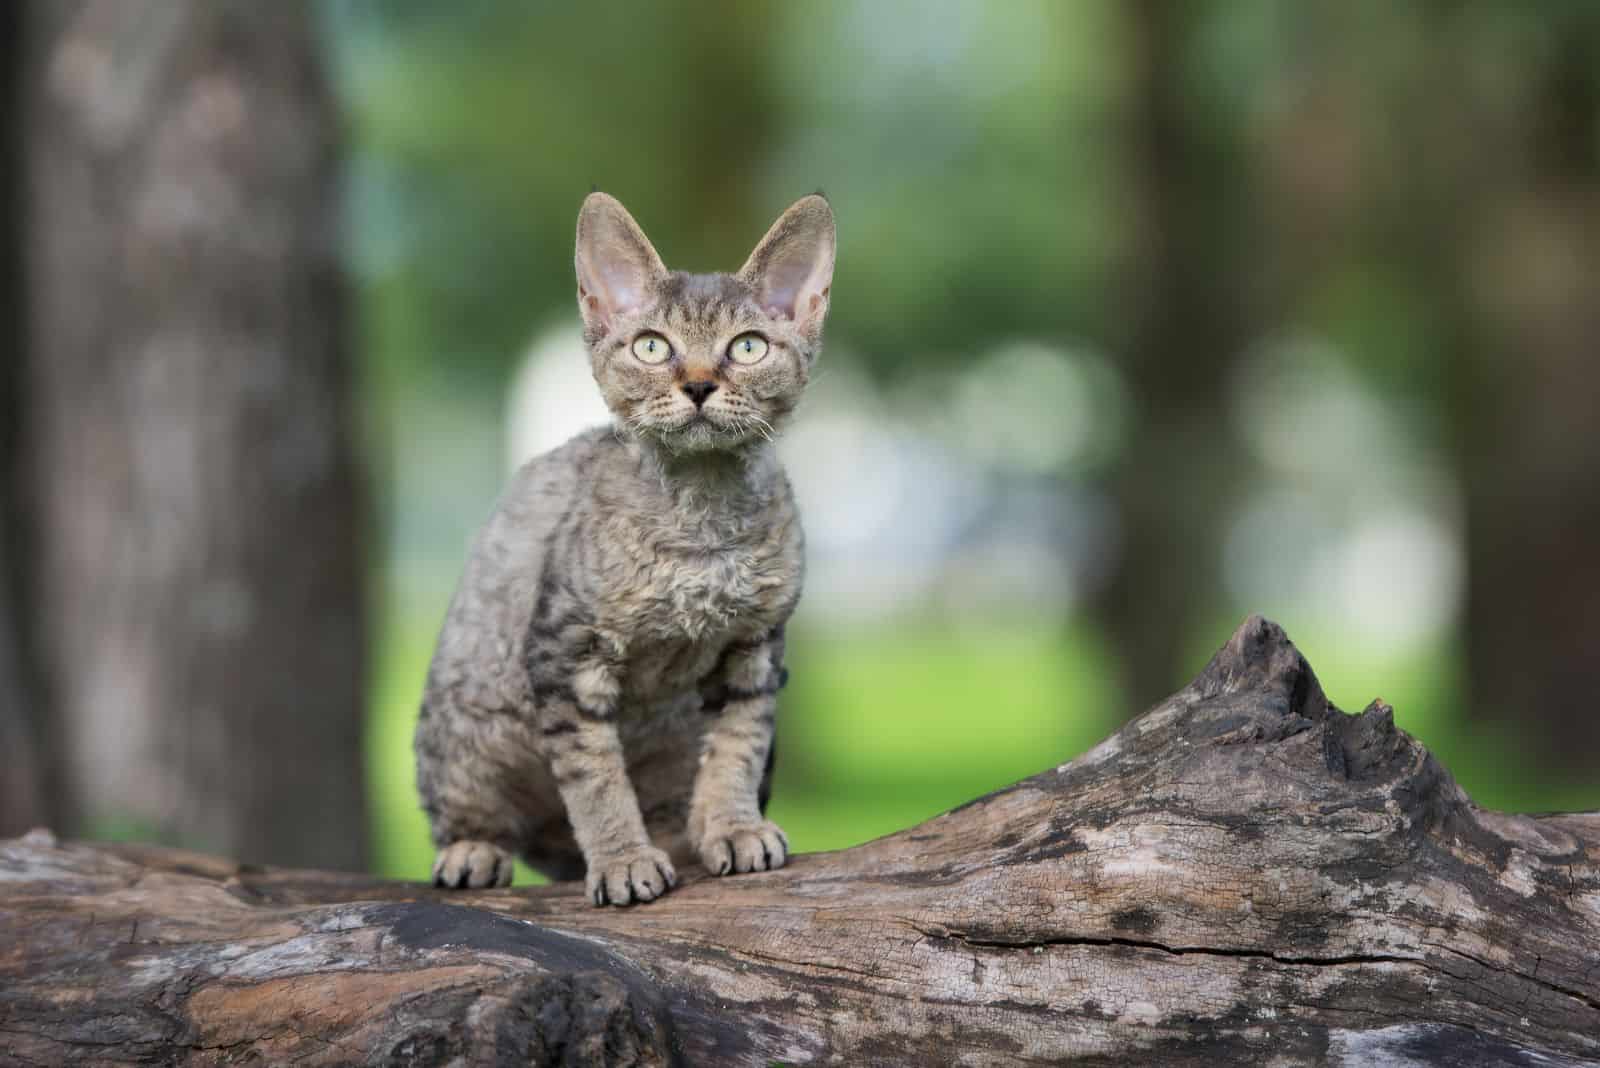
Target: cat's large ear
617,266
792,269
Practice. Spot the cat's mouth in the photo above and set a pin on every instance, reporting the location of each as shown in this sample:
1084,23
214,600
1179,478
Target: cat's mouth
700,417
700,429
687,421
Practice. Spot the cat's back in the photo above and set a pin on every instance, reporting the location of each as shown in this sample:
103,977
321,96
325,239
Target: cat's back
538,498
483,629
548,487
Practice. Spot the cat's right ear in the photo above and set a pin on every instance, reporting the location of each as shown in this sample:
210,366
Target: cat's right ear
791,270
618,268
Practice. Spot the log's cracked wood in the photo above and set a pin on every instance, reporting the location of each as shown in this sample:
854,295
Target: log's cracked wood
1245,874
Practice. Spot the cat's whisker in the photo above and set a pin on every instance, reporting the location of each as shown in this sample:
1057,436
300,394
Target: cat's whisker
765,428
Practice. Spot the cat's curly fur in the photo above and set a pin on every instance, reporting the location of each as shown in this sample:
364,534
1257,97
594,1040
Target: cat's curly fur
603,694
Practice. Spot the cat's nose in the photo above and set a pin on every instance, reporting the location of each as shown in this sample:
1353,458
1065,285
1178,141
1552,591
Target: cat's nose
699,390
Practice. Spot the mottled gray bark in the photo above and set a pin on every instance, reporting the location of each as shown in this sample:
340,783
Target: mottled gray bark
1244,874
199,580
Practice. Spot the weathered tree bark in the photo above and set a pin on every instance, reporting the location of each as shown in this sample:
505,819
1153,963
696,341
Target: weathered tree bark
1244,874
199,583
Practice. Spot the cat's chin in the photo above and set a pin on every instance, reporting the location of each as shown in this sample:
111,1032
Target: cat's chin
701,434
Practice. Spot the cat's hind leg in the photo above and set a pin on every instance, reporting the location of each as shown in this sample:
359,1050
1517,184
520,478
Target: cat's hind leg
479,777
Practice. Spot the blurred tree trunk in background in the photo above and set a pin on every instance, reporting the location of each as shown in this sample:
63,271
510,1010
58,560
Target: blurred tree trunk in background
1528,418
1182,307
732,90
200,575
1479,191
27,794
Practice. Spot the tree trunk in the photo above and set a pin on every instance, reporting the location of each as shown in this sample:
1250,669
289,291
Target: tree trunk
1184,309
1529,424
199,575
25,789
1244,874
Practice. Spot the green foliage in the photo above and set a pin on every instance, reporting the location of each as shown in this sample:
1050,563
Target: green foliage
478,135
883,729
956,153
977,156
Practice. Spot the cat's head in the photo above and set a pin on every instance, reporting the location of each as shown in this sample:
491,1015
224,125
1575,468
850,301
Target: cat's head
697,362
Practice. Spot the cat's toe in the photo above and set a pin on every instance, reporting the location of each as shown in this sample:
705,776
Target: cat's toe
472,865
754,847
635,876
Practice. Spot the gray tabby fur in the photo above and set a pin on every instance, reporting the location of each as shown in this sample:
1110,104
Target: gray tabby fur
602,698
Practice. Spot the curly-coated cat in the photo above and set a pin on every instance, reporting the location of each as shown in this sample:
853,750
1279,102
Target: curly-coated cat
603,695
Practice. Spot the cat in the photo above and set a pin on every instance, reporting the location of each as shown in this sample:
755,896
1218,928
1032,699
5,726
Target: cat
603,694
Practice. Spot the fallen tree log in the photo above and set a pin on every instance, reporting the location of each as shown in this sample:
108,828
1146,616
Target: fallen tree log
1244,874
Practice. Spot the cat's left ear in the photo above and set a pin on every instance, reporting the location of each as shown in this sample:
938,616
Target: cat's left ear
618,268
791,270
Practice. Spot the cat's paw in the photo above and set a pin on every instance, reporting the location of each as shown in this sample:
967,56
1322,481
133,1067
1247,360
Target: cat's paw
472,865
726,848
640,874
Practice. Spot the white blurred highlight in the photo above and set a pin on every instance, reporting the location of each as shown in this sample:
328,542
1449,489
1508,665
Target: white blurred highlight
952,501
1355,523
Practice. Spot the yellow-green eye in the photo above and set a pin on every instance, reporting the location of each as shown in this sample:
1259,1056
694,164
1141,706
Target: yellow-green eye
651,348
748,348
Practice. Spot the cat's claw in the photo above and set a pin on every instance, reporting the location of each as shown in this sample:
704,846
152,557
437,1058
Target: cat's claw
744,848
633,876
472,865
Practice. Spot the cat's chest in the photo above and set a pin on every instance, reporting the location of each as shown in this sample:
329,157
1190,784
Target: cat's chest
686,608
678,586
701,594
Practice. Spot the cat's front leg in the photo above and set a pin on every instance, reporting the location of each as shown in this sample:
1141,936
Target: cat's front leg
726,826
578,740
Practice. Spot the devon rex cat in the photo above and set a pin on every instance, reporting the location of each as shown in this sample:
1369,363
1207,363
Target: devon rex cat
602,697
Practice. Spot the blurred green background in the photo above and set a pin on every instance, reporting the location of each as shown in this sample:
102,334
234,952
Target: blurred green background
1074,237
1147,315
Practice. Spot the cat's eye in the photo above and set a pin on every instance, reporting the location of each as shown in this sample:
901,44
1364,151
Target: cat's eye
651,348
748,348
